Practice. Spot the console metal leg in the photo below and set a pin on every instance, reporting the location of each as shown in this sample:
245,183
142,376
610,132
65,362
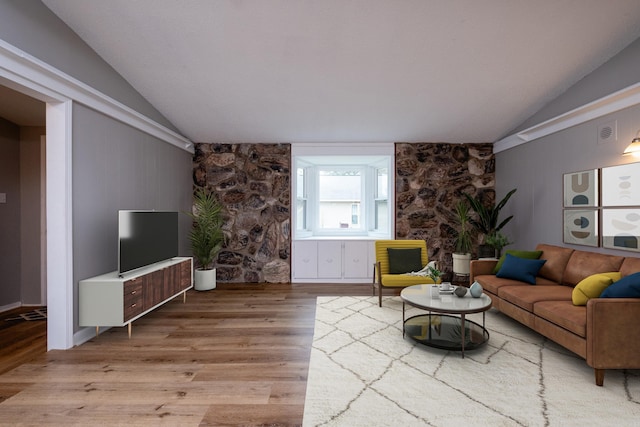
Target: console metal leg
462,333
403,319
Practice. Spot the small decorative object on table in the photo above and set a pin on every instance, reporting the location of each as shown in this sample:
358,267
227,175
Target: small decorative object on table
476,290
433,272
460,291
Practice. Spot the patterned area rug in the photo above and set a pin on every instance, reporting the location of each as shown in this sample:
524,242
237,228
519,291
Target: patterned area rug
37,314
364,373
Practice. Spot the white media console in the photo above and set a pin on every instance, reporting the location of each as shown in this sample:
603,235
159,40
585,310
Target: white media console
112,300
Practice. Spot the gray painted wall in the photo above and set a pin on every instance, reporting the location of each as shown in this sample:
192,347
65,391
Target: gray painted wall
9,213
118,167
30,209
536,168
32,27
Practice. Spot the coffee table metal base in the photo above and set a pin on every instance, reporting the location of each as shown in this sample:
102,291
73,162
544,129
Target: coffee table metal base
446,332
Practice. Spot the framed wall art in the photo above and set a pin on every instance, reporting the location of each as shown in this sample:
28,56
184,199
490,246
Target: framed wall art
581,189
621,229
581,227
621,185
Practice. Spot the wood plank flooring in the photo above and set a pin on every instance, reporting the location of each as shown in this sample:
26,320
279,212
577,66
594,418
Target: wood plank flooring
235,356
20,340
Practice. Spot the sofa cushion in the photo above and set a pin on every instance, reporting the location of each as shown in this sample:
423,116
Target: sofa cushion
592,287
491,283
404,260
583,264
557,258
627,287
519,254
629,266
563,314
522,269
526,296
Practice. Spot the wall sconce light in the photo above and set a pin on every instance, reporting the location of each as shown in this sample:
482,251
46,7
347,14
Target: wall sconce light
634,147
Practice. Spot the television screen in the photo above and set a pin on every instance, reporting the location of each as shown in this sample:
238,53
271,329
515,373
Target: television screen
146,237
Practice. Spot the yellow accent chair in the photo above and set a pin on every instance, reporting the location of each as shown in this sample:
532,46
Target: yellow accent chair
381,276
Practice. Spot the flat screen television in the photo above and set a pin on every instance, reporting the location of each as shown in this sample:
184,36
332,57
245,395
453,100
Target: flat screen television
146,237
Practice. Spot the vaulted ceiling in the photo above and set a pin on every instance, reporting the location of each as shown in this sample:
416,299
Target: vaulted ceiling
351,70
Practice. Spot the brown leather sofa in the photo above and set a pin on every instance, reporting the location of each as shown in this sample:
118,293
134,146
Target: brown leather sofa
604,332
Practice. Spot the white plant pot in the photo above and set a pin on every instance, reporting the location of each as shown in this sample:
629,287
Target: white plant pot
461,263
204,280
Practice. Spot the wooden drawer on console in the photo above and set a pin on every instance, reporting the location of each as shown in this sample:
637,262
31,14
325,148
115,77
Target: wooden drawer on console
132,298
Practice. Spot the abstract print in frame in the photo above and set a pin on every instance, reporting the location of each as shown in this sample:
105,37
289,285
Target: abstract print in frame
621,229
581,189
621,185
581,227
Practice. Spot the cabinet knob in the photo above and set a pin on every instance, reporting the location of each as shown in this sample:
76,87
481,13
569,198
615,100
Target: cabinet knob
133,292
133,305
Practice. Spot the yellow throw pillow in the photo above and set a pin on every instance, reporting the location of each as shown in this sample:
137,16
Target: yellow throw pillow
592,287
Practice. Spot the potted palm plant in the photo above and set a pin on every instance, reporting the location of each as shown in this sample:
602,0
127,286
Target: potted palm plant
463,241
206,237
487,221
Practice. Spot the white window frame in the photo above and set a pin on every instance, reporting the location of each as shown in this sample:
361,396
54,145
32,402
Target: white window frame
312,156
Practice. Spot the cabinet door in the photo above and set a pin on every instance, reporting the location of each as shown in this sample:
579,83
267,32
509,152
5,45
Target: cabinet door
185,275
330,259
171,281
305,260
356,260
152,284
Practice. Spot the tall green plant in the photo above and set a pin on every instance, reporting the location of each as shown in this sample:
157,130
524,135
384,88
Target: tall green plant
464,236
206,235
488,216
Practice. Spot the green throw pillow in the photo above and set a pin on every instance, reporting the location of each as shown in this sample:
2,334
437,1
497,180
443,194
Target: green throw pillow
516,253
404,260
592,287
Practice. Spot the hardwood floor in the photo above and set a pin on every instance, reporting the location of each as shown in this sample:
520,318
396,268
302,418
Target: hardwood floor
20,341
235,356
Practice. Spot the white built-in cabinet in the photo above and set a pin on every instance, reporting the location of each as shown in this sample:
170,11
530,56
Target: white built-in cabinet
333,261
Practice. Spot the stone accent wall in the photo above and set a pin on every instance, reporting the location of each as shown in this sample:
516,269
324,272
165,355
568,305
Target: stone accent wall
430,179
252,182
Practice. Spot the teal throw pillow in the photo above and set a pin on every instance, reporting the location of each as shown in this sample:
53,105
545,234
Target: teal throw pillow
404,260
521,269
627,287
519,254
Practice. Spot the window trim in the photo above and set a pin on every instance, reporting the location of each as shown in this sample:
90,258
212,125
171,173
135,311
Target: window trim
312,156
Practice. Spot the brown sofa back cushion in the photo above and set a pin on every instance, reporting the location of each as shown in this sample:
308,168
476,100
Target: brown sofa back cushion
557,259
583,264
630,265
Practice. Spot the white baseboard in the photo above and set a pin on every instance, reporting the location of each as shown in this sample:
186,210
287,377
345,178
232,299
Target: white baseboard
10,306
85,334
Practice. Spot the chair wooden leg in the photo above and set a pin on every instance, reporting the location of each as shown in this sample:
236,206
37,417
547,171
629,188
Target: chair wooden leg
599,376
379,296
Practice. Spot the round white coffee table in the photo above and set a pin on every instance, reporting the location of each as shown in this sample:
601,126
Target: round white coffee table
447,329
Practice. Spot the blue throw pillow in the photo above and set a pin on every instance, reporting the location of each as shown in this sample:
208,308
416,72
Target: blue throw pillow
627,287
521,269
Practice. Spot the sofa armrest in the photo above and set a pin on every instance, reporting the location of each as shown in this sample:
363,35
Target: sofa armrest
613,337
481,267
